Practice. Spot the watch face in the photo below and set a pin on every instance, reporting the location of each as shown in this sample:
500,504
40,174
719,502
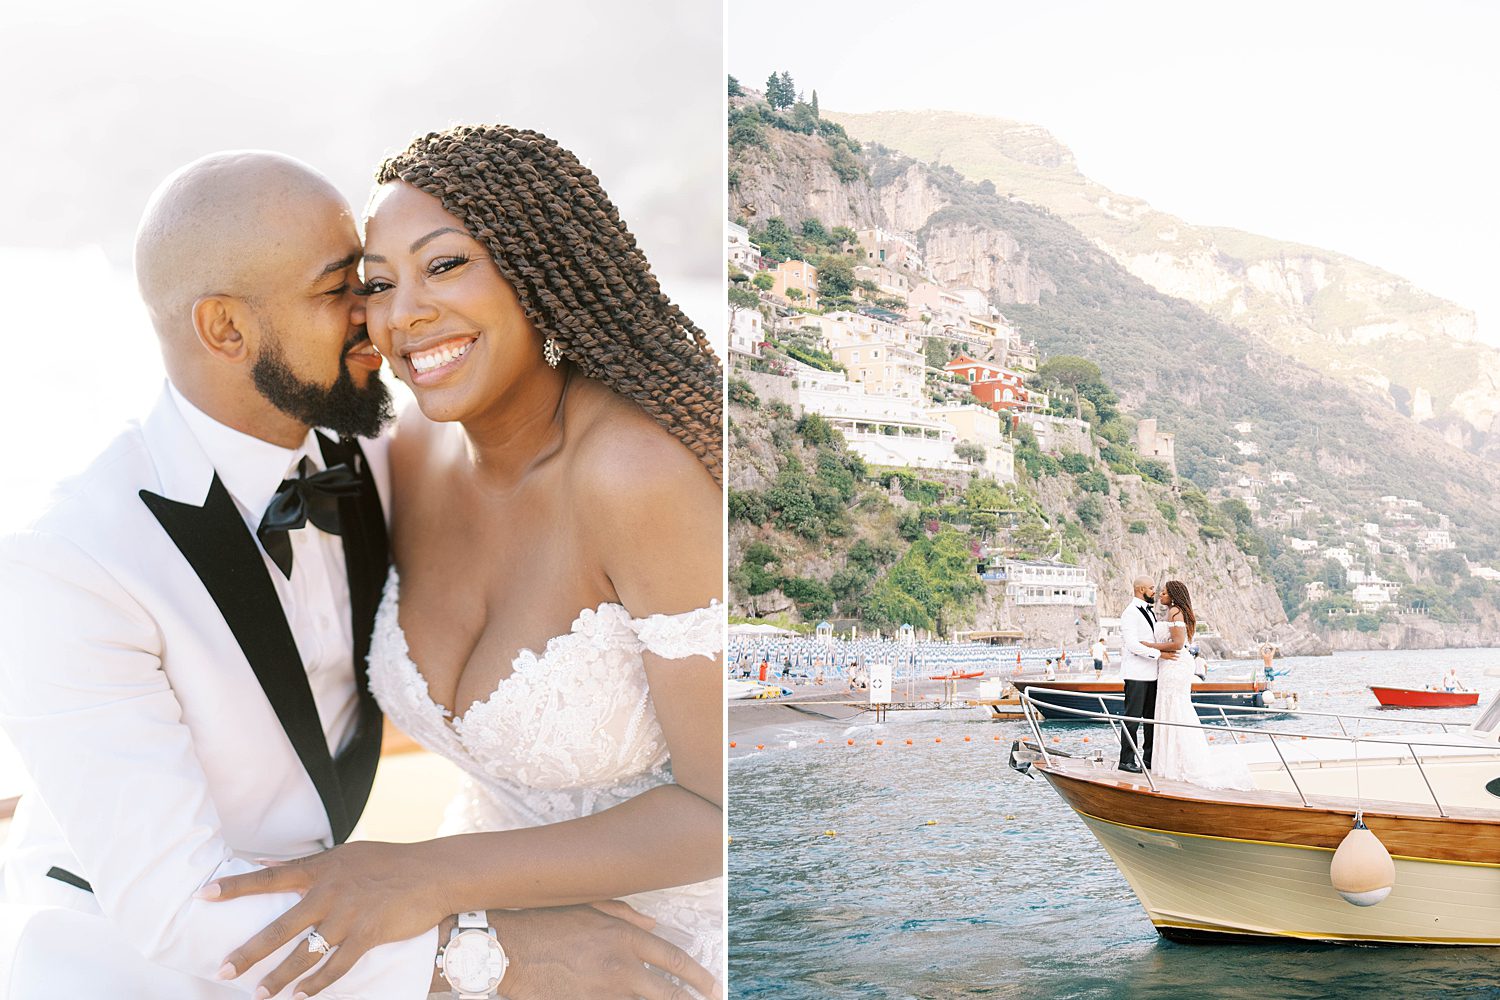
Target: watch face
474,962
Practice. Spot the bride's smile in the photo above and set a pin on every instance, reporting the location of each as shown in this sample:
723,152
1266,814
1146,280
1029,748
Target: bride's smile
453,326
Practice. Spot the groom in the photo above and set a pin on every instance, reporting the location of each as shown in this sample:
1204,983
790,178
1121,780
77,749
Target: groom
185,627
1138,666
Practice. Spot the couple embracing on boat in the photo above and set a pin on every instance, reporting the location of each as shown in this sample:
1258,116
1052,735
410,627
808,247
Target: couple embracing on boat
1156,661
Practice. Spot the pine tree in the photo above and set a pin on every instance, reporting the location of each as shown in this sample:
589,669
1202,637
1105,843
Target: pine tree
815,104
735,90
773,90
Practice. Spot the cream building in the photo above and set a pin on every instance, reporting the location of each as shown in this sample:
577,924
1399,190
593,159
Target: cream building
1152,443
884,368
884,246
795,274
985,428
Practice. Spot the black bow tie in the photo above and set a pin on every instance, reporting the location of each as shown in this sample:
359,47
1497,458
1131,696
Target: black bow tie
312,498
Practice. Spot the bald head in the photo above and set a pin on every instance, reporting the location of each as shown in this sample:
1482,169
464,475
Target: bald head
1143,586
221,226
248,264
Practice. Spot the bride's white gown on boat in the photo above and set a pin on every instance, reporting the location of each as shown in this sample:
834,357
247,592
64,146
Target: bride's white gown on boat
569,733
1182,753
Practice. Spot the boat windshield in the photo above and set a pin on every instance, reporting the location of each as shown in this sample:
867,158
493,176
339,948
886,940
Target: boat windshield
1489,721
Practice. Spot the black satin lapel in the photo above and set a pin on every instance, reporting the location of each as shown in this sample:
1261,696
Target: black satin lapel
214,540
366,562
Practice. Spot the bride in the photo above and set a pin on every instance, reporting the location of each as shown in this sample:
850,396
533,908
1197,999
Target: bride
1181,751
551,624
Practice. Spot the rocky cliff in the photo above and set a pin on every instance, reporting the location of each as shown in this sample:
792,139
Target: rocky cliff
1416,353
1228,587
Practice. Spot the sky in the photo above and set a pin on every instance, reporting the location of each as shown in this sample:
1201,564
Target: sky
102,100
1369,128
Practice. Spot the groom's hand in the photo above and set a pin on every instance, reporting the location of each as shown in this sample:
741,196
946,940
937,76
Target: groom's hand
591,951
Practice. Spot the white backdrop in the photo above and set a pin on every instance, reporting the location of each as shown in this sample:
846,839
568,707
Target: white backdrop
101,101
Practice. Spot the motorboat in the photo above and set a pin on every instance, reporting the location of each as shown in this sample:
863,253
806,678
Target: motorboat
1398,697
1080,700
1420,801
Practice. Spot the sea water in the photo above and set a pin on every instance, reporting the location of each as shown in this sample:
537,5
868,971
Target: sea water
947,874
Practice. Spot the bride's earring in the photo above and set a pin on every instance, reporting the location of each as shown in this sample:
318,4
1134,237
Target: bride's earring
550,352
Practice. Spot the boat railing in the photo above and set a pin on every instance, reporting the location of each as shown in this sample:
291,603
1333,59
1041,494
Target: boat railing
1120,725
1338,717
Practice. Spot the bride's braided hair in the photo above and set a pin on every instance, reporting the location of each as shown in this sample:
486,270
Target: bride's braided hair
1178,592
557,238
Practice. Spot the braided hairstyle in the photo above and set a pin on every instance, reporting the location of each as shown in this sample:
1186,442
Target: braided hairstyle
1178,592
581,279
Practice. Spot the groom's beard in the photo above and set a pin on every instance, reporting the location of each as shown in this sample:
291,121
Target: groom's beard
343,407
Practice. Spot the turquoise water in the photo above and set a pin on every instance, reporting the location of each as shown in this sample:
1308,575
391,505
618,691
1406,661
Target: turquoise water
1006,894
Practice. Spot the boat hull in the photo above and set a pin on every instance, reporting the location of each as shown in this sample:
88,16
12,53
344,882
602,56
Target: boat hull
1084,697
1216,869
1200,887
1390,697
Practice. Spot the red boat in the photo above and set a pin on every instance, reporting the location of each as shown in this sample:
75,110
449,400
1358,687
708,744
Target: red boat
956,676
1390,697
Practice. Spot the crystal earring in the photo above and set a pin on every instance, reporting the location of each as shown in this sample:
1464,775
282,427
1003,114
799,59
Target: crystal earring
550,352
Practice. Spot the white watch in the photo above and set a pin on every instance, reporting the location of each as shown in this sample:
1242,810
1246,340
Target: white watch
473,961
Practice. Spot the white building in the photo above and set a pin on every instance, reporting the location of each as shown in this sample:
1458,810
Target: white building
746,331
1244,427
1434,540
883,430
1247,448
1302,544
1370,528
1316,590
1048,582
1375,593
1344,557
739,250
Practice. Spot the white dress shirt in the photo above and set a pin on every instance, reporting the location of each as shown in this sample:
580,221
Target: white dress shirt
316,598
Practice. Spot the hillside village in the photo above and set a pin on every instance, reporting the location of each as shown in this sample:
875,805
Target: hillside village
852,326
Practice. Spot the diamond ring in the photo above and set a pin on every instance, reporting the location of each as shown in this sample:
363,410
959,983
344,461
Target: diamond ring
317,944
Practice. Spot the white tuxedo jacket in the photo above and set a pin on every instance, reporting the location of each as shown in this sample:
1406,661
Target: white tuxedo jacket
153,689
1137,662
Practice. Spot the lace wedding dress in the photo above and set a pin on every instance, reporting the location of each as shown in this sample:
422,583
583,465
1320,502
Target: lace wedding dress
1182,753
570,733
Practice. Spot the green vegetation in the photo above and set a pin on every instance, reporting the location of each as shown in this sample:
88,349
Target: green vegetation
932,584
740,394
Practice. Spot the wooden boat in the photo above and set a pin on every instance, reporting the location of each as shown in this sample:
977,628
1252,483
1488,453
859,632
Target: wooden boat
1062,700
956,676
1256,864
1394,697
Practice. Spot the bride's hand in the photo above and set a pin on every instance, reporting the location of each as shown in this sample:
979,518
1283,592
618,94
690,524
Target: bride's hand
358,896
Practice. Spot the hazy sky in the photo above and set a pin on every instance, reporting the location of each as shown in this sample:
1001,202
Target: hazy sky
99,101
1363,127
102,100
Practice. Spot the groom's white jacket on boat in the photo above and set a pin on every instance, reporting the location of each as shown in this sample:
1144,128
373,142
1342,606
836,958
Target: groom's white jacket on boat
1137,662
170,736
